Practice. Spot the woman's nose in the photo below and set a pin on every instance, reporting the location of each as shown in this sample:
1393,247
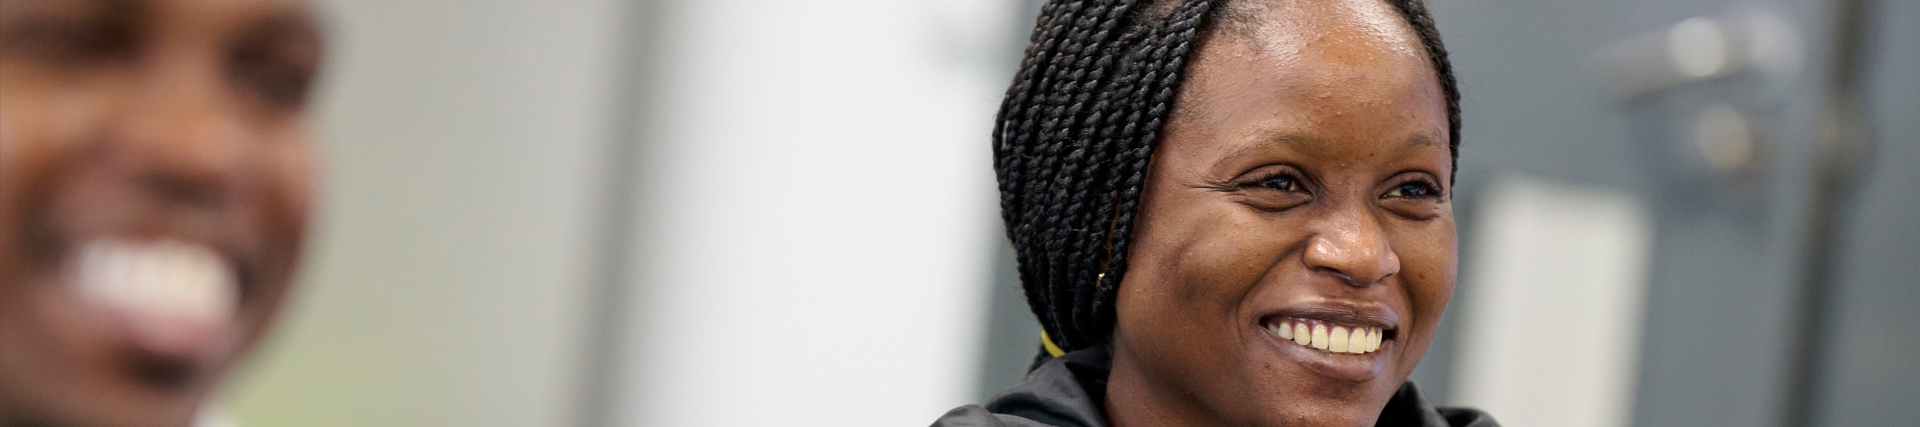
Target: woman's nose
1353,247
183,135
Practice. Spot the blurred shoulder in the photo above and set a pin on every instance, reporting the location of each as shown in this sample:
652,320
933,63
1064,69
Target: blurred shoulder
1063,392
979,416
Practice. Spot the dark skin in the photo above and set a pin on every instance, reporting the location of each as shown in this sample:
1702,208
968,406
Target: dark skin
1305,174
144,120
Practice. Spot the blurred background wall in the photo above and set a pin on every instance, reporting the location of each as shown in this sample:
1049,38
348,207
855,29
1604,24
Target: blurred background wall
752,212
1770,143
646,213
814,215
453,254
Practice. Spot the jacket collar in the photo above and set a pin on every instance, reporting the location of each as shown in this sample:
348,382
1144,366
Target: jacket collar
1069,391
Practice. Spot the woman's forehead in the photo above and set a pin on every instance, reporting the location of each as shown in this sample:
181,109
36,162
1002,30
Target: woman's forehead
1347,32
1287,75
1343,71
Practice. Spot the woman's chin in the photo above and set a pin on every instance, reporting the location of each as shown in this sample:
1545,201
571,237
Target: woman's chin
1316,387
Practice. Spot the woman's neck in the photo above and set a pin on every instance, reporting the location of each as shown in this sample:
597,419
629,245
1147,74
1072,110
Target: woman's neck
1136,398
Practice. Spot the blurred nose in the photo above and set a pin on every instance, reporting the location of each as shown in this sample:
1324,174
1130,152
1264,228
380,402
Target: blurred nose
1352,246
183,134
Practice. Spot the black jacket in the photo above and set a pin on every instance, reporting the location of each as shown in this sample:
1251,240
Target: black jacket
1068,391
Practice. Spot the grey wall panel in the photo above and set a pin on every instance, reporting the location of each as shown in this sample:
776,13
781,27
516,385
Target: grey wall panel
1871,379
1728,251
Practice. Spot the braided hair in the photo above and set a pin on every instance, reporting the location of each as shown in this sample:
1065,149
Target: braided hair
1076,132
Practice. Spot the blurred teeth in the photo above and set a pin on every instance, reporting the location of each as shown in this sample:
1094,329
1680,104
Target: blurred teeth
183,281
1328,337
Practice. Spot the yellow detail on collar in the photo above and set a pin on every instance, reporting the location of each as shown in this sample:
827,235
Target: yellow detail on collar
1052,350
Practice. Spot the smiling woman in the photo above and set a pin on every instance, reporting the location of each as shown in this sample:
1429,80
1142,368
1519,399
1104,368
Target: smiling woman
154,192
1231,212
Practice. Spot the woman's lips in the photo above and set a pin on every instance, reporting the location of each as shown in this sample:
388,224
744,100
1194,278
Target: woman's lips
172,299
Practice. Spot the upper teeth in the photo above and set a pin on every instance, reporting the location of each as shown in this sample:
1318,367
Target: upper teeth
166,278
1328,337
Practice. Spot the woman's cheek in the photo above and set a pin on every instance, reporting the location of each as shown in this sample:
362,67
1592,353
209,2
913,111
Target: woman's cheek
292,180
1226,254
1428,264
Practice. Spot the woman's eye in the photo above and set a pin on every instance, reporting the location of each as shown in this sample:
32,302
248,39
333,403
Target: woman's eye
1412,190
283,82
1282,183
1279,191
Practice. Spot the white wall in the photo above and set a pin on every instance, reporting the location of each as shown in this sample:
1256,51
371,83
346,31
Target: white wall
814,212
1551,330
819,204
450,259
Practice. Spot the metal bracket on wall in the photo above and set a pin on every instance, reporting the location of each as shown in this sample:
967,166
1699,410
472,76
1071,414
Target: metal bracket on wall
1712,87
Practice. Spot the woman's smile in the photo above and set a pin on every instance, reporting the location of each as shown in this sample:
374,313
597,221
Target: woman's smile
173,300
1339,340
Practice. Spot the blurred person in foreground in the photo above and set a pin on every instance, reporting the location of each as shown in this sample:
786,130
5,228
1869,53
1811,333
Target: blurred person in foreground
154,190
1229,213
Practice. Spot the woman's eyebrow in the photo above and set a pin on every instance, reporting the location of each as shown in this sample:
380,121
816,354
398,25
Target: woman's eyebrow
1424,138
123,13
1265,139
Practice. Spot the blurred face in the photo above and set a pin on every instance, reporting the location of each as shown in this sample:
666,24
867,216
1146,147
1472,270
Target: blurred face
153,196
1296,244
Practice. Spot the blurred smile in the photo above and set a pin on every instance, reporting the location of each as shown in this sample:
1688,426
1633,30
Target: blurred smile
169,299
